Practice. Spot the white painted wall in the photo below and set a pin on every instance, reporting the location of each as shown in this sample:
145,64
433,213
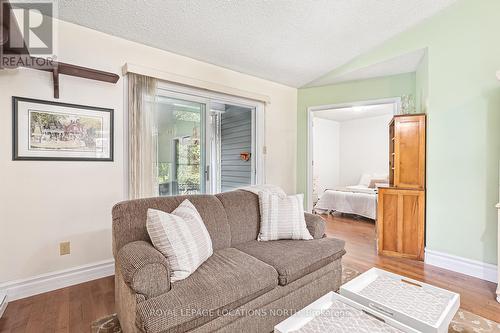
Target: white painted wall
44,203
326,154
364,148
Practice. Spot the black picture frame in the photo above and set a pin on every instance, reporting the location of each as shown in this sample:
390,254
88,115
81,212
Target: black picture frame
15,131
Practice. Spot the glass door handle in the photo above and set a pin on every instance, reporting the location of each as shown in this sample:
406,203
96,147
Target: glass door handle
207,172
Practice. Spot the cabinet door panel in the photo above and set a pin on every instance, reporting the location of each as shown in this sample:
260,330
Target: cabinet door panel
400,223
409,164
412,233
390,212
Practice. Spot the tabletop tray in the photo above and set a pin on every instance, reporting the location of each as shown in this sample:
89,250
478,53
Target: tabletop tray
426,308
334,313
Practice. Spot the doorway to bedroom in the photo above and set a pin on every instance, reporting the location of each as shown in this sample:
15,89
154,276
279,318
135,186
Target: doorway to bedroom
348,157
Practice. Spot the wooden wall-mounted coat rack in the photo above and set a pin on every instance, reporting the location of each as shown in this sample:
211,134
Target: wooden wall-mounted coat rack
61,68
78,71
56,68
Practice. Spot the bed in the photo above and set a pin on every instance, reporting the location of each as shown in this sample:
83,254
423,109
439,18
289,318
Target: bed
360,199
357,199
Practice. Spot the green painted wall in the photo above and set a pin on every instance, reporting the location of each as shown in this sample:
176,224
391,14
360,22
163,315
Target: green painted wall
422,85
463,108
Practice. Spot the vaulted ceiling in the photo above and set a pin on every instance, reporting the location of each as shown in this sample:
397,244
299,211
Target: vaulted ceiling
292,42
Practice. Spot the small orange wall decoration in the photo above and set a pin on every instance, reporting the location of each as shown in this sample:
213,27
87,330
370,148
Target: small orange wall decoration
245,156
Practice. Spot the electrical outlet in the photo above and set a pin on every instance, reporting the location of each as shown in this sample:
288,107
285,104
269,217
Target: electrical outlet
64,248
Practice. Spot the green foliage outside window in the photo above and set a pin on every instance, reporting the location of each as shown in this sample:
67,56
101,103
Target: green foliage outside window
164,172
188,166
187,116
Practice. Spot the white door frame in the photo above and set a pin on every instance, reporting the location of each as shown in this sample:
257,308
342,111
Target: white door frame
310,116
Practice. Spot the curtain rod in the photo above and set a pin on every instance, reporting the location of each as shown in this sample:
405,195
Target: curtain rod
192,82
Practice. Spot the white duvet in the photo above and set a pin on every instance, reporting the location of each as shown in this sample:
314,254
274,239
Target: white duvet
356,199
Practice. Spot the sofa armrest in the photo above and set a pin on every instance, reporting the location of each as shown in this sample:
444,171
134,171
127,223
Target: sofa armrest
316,225
144,269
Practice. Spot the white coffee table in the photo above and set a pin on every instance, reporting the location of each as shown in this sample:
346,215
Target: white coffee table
377,301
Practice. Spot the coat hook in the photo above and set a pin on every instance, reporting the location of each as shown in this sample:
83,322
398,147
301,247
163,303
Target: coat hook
55,77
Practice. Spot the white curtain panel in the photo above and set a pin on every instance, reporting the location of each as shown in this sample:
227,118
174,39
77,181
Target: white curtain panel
142,135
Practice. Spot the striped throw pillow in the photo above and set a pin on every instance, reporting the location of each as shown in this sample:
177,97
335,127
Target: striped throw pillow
282,217
181,236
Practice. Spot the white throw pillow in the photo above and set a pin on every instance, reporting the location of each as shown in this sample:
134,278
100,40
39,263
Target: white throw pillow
181,236
365,180
282,217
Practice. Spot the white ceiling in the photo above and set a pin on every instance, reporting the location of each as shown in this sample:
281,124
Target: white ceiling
356,112
288,41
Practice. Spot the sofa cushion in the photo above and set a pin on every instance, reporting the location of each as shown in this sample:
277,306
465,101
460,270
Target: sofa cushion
227,280
315,224
243,215
294,259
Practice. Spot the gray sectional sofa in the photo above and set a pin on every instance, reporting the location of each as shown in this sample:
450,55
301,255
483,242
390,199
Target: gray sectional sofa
245,286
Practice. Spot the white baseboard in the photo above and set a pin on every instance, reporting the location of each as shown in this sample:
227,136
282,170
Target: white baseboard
465,266
55,280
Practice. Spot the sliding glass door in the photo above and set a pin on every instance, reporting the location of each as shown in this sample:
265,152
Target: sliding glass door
181,142
205,144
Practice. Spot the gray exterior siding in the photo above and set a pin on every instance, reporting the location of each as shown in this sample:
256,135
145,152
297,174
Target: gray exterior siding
236,138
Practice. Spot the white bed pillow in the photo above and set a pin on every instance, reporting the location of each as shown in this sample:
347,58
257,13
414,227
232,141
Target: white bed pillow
365,180
181,236
282,217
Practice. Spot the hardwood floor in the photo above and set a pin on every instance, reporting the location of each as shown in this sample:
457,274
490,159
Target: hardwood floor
70,309
73,309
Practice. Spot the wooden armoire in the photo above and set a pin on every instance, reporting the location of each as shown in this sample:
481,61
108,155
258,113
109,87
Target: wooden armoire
401,205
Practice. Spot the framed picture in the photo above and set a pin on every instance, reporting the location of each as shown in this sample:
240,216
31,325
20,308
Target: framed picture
52,131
